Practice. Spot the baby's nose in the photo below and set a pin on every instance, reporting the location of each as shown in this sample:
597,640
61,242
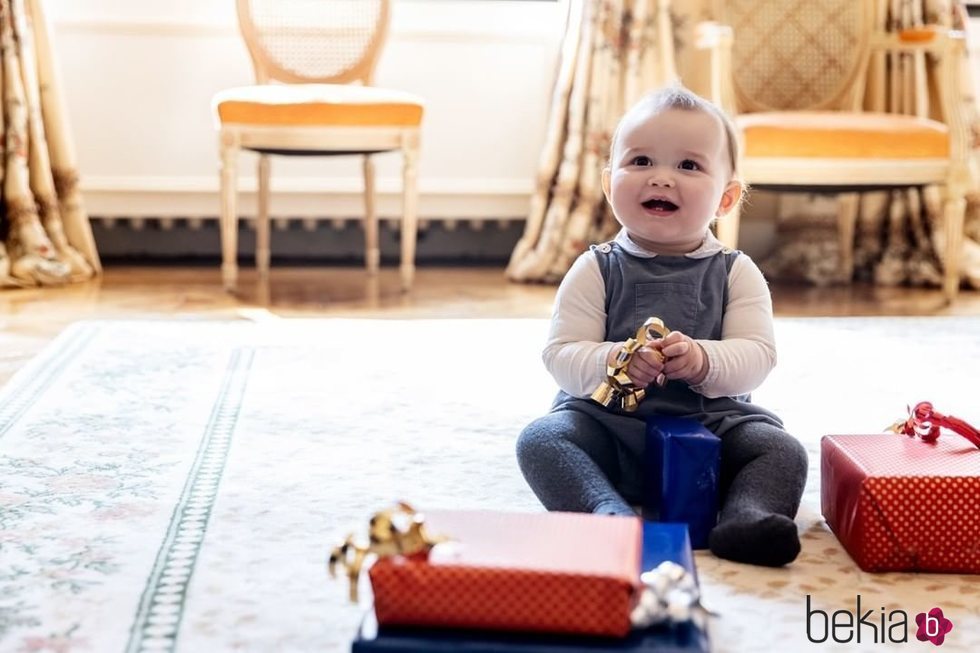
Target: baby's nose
660,178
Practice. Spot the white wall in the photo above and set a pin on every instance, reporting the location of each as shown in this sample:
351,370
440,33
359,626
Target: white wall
138,76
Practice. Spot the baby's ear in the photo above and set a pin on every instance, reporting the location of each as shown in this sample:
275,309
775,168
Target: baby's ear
730,197
606,181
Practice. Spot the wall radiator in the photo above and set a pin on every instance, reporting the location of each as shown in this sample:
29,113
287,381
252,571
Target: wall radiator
327,240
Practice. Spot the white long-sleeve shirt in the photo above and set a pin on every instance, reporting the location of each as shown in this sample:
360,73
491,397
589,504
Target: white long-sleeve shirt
577,350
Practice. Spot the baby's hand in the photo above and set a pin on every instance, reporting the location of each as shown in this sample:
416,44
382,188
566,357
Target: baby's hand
644,367
686,361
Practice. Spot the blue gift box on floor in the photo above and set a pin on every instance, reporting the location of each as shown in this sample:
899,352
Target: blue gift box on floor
682,464
661,541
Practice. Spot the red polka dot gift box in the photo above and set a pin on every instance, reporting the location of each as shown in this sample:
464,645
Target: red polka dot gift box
899,503
531,572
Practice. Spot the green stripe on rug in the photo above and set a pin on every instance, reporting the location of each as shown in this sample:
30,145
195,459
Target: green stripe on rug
27,386
160,610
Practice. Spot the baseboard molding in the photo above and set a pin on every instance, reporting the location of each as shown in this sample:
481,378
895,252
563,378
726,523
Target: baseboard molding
330,197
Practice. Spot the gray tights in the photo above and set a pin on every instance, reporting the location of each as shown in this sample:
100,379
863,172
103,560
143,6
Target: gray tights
573,464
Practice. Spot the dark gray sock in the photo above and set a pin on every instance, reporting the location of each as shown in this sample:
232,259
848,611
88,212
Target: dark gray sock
769,540
763,475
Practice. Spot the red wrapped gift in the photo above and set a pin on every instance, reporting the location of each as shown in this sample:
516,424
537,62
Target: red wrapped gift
538,572
898,503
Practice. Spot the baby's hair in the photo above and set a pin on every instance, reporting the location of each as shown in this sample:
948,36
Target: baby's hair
676,96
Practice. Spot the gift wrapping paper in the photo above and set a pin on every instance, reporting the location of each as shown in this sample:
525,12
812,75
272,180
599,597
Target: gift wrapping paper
660,542
682,463
901,504
530,572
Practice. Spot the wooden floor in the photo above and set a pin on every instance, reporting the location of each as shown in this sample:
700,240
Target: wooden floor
29,318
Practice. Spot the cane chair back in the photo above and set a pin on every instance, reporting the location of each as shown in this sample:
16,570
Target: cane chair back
794,74
801,56
314,41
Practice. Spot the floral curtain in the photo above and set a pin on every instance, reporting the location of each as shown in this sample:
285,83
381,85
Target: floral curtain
45,236
613,52
897,231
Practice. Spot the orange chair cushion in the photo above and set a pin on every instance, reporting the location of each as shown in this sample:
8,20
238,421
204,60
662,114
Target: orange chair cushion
319,105
842,135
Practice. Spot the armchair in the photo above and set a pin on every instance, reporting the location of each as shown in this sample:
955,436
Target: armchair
795,75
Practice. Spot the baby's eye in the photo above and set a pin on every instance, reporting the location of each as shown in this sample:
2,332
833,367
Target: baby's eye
688,164
642,161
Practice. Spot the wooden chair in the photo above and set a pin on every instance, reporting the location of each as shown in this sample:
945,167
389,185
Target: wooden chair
313,65
795,74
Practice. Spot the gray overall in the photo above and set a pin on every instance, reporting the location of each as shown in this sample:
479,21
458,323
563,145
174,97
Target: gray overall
585,457
689,295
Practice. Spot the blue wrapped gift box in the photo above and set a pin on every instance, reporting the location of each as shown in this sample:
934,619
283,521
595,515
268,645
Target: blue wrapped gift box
682,463
661,541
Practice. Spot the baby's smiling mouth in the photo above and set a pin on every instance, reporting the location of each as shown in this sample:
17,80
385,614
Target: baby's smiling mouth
657,205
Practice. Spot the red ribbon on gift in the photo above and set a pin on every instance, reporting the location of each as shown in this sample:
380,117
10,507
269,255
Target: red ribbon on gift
925,422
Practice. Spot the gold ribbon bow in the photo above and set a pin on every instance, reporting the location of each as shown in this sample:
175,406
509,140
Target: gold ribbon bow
618,386
398,531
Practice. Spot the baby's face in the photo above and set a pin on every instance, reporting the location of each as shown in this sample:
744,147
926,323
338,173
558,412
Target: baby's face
669,177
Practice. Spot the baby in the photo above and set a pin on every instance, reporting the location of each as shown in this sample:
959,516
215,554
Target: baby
671,173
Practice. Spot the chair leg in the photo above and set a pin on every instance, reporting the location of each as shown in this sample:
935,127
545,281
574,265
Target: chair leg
262,249
726,227
372,250
847,212
410,224
953,212
229,213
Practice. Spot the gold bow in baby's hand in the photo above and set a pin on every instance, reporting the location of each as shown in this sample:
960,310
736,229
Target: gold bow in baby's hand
618,386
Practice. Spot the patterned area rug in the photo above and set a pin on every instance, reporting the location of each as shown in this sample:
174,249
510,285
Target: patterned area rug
176,485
